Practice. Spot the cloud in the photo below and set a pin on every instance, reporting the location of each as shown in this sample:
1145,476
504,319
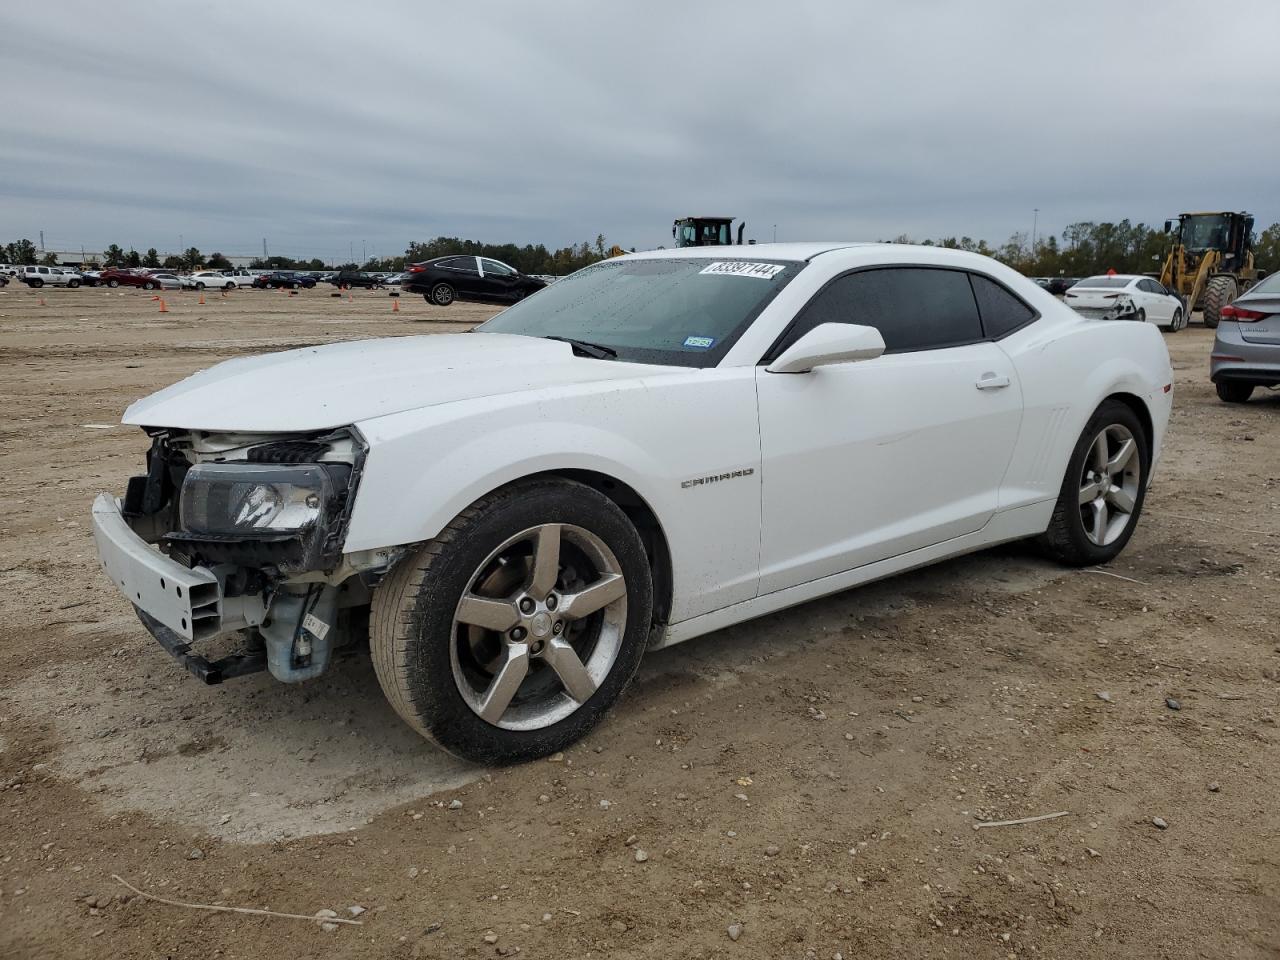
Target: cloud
324,128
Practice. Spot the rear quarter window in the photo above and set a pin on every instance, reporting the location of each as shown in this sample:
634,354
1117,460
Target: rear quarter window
1002,312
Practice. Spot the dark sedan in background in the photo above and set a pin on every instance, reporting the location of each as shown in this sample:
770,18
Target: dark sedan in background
278,279
478,279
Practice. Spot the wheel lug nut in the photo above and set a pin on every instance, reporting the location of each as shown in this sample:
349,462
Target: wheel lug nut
526,605
518,634
551,601
557,628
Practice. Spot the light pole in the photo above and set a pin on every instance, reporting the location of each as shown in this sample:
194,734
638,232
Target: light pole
1035,222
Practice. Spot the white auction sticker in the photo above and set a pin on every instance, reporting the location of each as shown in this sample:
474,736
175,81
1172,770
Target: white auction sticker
315,626
739,268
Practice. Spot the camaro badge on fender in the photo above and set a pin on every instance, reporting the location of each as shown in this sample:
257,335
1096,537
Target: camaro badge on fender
716,478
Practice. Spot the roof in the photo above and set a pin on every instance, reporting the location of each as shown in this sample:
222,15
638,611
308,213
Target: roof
764,251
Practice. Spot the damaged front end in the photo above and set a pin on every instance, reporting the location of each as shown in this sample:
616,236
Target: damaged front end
242,534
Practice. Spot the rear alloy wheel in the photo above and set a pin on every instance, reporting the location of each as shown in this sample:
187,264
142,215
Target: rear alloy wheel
73,284
508,636
1233,391
148,286
442,295
1102,494
113,284
199,284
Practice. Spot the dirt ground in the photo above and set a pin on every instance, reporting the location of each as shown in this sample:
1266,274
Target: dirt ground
813,777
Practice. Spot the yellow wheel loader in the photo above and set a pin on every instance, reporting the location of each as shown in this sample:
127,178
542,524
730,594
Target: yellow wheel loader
1210,261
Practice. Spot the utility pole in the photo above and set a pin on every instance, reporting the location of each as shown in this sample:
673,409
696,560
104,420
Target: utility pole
775,233
1035,222
42,241
264,248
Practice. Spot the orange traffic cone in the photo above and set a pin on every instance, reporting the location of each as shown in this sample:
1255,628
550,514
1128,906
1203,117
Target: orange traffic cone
163,308
395,306
201,300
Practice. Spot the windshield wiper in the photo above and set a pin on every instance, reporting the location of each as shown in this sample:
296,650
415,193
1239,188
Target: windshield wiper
597,350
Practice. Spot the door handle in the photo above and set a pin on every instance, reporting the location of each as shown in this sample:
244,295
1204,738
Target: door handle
990,381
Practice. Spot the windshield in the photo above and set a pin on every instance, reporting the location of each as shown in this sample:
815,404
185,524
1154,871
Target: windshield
1105,282
1205,233
682,312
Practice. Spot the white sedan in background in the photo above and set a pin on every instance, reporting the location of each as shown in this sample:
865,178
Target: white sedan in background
656,447
1151,302
210,279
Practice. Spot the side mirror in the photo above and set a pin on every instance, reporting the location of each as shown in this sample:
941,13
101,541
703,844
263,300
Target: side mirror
829,343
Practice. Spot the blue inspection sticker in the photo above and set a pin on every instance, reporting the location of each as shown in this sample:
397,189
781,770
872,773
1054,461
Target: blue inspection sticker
699,343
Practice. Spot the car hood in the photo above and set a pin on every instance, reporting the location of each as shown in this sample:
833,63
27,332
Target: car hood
315,388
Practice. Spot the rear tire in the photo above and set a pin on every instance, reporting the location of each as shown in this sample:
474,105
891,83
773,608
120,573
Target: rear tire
36,282
442,295
1107,481
1176,324
73,284
1141,315
444,673
199,285
1219,292
113,284
1232,391
148,286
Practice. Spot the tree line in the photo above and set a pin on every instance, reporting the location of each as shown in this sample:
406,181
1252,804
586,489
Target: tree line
1081,249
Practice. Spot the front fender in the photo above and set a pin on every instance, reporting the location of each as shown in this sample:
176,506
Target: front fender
425,466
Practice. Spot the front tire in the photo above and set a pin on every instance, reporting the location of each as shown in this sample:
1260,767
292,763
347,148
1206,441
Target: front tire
113,284
1219,292
442,294
508,636
148,286
1141,315
36,283
73,284
1176,323
1102,494
1233,391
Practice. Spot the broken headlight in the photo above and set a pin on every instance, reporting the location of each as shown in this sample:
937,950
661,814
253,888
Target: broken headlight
222,499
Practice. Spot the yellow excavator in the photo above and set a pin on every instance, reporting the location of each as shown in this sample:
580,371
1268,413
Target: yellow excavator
1210,261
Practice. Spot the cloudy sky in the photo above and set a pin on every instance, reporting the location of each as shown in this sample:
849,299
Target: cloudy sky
332,128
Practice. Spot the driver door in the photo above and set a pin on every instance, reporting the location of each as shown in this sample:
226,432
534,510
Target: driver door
868,460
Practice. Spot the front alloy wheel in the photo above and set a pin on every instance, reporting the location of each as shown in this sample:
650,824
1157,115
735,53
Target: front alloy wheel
509,635
528,647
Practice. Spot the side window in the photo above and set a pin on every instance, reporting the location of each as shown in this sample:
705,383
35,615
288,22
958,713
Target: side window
914,308
1002,312
496,268
467,264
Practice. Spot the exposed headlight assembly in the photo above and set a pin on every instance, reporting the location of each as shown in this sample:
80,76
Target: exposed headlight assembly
243,498
259,515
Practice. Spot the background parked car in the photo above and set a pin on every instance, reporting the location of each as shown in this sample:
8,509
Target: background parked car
90,278
117,277
355,278
212,279
167,281
34,276
477,279
1246,347
1098,296
283,279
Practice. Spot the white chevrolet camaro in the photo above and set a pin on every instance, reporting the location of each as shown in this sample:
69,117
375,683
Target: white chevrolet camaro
656,447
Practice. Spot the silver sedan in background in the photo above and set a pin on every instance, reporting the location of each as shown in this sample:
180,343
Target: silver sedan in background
1246,350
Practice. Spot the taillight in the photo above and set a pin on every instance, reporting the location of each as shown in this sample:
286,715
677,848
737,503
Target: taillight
1241,314
417,269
